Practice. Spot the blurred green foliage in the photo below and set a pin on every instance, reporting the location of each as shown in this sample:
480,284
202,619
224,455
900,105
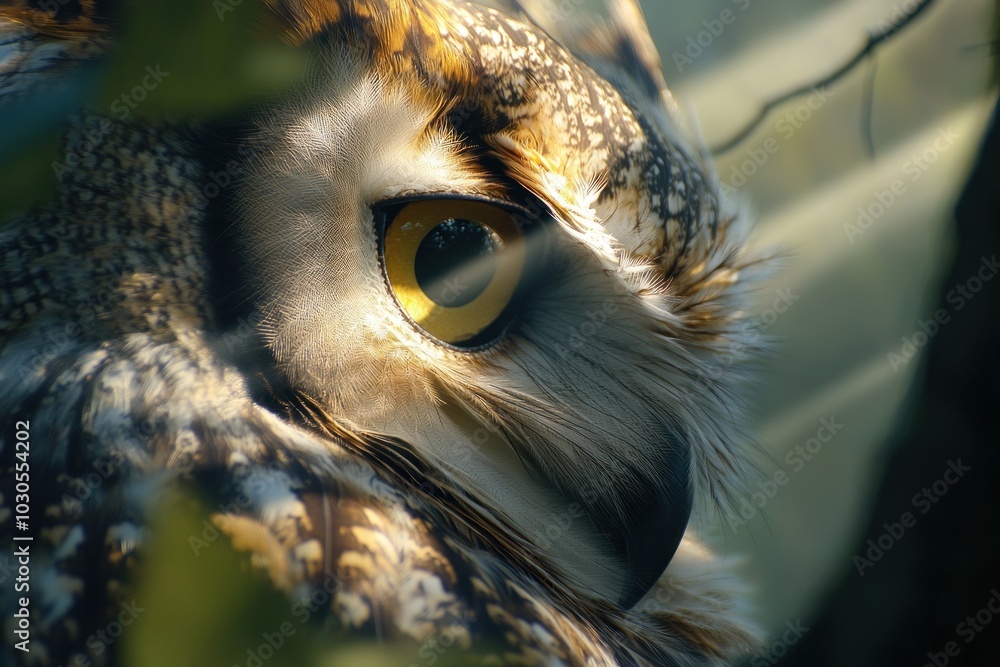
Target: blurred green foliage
218,60
172,59
200,605
201,608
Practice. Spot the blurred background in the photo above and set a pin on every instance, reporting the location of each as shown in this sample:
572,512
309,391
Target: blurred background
870,399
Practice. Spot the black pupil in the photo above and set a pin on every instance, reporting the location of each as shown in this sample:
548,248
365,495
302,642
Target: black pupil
456,262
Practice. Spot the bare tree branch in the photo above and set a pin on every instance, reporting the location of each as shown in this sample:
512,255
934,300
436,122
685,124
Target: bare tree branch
875,39
868,107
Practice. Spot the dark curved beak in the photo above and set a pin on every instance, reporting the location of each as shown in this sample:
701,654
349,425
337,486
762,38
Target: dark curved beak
654,524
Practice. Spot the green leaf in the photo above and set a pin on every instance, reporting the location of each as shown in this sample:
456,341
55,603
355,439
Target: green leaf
200,606
30,142
192,58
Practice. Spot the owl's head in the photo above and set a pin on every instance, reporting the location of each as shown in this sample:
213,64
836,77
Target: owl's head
480,238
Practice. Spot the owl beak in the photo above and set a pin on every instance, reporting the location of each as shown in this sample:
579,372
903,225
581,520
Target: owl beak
648,539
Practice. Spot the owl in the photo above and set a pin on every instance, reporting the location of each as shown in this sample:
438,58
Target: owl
450,333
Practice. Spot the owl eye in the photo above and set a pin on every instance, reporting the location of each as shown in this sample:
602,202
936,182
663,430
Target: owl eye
455,266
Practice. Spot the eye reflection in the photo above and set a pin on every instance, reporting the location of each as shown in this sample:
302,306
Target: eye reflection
456,262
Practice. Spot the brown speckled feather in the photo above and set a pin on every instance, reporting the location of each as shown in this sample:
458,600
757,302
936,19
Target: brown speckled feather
111,346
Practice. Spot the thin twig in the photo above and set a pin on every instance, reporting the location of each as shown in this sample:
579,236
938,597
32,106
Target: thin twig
868,107
874,40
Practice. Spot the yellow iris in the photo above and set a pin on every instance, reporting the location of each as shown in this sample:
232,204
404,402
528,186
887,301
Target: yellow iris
454,265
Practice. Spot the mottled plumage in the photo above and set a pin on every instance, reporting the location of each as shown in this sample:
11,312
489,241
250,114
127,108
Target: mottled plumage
524,496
